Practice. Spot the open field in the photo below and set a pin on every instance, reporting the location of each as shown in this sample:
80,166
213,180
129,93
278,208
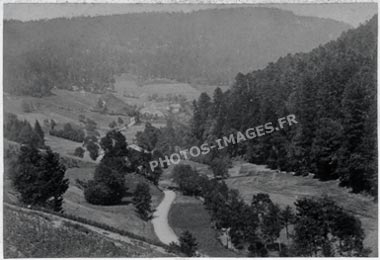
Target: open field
32,234
284,189
188,213
63,107
126,86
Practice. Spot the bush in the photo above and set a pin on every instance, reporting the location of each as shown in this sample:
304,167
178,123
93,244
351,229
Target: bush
27,106
79,152
219,166
99,194
70,133
188,244
93,149
112,124
188,180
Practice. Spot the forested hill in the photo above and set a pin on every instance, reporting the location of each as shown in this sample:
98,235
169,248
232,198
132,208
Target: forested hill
206,46
332,93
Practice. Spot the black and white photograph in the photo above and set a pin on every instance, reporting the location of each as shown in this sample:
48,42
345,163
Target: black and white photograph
220,129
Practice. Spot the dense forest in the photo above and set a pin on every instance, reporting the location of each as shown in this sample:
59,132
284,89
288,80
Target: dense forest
202,47
332,92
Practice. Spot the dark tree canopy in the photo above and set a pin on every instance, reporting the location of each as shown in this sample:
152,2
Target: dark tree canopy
143,200
188,244
39,178
332,93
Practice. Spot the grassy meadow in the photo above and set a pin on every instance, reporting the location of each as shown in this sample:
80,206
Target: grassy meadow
188,213
121,216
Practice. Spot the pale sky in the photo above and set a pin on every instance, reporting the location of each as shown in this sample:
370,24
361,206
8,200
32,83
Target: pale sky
351,13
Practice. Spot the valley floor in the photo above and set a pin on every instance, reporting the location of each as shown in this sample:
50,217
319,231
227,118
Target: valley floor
188,213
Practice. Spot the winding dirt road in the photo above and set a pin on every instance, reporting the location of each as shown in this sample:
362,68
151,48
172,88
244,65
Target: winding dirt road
160,219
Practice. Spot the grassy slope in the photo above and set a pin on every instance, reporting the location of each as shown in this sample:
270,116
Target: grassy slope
120,216
188,213
31,235
284,189
63,106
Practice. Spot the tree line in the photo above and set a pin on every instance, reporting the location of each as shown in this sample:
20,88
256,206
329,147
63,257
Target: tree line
332,92
21,131
69,132
319,226
195,47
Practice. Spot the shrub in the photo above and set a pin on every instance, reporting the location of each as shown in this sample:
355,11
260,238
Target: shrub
112,124
27,106
79,152
93,149
99,194
70,133
188,244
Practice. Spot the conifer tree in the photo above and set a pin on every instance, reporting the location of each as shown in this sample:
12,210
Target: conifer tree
143,200
188,244
39,178
38,130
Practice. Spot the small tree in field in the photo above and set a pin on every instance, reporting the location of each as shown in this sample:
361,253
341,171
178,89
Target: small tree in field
93,149
79,151
107,188
143,200
39,131
188,244
27,107
112,124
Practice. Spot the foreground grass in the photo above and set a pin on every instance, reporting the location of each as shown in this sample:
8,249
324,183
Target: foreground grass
188,213
34,235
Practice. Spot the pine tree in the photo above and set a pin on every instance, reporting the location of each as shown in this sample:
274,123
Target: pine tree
201,112
143,200
38,130
27,136
352,163
188,244
325,149
39,178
